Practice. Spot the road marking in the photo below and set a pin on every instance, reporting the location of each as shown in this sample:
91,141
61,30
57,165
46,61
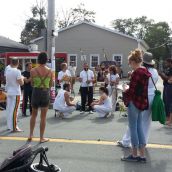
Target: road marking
92,142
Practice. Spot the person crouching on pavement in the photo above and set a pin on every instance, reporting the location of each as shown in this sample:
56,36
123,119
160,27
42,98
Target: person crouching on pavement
103,106
63,102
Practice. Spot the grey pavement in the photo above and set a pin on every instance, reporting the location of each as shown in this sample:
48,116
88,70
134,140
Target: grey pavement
77,157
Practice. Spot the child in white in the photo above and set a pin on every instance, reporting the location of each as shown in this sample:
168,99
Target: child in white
112,80
63,101
103,106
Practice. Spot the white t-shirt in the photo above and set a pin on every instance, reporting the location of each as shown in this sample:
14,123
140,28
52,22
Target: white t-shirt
60,76
8,67
112,77
12,86
72,71
86,75
155,76
59,100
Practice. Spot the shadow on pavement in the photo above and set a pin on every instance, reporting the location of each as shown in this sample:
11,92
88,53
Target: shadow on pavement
99,120
56,120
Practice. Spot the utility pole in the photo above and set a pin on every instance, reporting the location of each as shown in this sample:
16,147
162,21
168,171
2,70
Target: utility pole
51,41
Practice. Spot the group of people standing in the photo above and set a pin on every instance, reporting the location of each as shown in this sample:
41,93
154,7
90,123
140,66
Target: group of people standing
37,83
105,106
138,97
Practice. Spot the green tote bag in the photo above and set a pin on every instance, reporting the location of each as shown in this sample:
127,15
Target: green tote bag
158,108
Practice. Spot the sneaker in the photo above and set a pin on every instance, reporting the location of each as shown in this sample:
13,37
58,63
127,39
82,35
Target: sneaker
120,144
91,112
107,115
82,112
142,160
130,158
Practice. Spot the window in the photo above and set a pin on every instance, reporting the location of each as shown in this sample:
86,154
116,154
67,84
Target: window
117,58
94,60
73,60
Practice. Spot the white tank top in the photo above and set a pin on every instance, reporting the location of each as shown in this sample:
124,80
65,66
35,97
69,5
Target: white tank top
59,100
107,103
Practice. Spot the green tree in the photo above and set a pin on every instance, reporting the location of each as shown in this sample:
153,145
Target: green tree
74,15
134,27
157,37
35,24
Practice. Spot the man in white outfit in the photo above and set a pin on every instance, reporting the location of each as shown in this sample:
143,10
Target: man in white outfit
14,80
148,62
63,102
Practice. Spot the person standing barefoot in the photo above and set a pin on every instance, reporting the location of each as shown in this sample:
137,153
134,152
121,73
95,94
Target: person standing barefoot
41,80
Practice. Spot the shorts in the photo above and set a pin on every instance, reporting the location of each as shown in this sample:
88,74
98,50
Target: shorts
40,97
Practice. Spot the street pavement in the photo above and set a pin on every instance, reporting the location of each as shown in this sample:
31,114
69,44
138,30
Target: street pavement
85,143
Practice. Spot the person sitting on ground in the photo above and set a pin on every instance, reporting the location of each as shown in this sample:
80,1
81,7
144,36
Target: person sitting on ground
63,102
103,106
3,99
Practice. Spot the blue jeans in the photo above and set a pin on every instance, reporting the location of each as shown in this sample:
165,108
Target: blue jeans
135,126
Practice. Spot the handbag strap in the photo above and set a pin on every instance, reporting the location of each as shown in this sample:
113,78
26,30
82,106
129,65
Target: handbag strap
153,82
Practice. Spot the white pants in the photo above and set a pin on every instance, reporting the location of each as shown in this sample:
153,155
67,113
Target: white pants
102,110
13,105
66,110
126,140
113,95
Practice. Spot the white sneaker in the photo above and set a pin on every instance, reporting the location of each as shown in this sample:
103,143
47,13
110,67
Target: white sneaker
82,112
91,112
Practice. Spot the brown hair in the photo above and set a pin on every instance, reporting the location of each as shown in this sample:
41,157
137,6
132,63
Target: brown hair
135,56
113,69
14,61
104,90
63,65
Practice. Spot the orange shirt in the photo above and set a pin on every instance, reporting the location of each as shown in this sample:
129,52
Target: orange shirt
3,96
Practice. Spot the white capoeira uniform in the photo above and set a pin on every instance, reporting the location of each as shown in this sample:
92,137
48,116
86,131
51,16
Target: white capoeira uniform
13,97
103,109
60,104
146,122
112,90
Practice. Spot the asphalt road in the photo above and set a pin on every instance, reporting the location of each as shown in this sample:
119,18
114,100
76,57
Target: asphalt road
85,143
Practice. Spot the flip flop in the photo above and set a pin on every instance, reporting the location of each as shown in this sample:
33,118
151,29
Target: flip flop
29,139
44,140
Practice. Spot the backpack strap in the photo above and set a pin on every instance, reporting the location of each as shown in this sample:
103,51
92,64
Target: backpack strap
42,78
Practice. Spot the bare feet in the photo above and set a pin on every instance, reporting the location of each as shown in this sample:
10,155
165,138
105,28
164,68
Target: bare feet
43,140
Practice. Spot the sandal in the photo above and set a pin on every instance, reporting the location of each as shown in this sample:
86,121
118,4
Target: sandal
44,140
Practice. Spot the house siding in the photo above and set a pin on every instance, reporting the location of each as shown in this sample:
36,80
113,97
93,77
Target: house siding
92,40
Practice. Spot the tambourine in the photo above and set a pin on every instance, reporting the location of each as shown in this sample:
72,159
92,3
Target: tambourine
66,78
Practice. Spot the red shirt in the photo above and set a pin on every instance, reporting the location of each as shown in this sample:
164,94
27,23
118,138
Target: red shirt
138,89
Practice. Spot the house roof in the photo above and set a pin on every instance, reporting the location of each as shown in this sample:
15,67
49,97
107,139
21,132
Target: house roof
100,27
6,42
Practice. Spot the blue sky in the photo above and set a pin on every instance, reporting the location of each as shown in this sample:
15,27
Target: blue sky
13,13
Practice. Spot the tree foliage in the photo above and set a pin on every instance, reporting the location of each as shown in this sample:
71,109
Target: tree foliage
35,24
156,35
74,15
134,27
